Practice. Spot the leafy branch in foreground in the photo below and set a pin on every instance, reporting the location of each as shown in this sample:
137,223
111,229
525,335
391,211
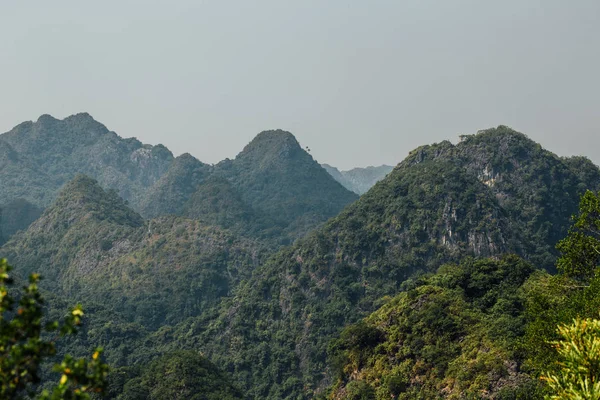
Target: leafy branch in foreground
23,348
579,354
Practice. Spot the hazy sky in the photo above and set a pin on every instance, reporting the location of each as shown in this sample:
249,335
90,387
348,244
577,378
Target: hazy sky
359,82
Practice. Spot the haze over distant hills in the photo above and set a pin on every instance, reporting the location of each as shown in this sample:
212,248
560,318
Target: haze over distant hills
359,180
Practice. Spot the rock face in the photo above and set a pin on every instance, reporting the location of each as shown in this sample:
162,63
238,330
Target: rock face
535,187
359,180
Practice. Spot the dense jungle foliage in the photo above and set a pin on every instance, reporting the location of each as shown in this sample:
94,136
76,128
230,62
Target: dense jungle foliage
433,284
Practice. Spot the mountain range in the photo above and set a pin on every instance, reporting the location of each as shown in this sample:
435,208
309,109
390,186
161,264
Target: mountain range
281,191
266,273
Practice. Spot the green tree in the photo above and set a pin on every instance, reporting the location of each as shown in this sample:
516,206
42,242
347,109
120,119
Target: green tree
184,375
579,352
581,248
572,364
23,347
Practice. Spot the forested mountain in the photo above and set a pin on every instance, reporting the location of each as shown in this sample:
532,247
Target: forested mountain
171,192
537,189
281,181
273,176
37,158
359,180
358,308
90,246
488,195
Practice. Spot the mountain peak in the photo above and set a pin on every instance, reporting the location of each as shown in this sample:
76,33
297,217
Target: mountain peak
46,118
502,136
277,134
277,141
85,121
83,197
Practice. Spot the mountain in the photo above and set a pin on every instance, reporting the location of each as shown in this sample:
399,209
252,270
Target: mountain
407,291
90,246
484,197
216,202
359,180
281,181
37,158
273,190
539,190
170,193
273,177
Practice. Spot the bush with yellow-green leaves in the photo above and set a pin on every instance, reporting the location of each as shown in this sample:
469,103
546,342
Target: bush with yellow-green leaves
24,347
578,377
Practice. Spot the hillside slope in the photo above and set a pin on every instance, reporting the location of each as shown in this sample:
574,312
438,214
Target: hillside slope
453,335
281,181
485,197
92,248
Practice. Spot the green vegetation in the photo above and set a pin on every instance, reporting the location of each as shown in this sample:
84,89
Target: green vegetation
24,346
38,158
182,375
280,192
579,355
284,184
454,335
581,248
216,202
558,300
162,270
538,190
170,193
408,292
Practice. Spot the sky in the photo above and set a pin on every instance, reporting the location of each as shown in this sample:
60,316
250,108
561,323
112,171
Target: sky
358,82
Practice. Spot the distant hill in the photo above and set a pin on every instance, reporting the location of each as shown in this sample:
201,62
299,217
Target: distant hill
273,189
273,176
359,180
280,180
173,189
37,158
